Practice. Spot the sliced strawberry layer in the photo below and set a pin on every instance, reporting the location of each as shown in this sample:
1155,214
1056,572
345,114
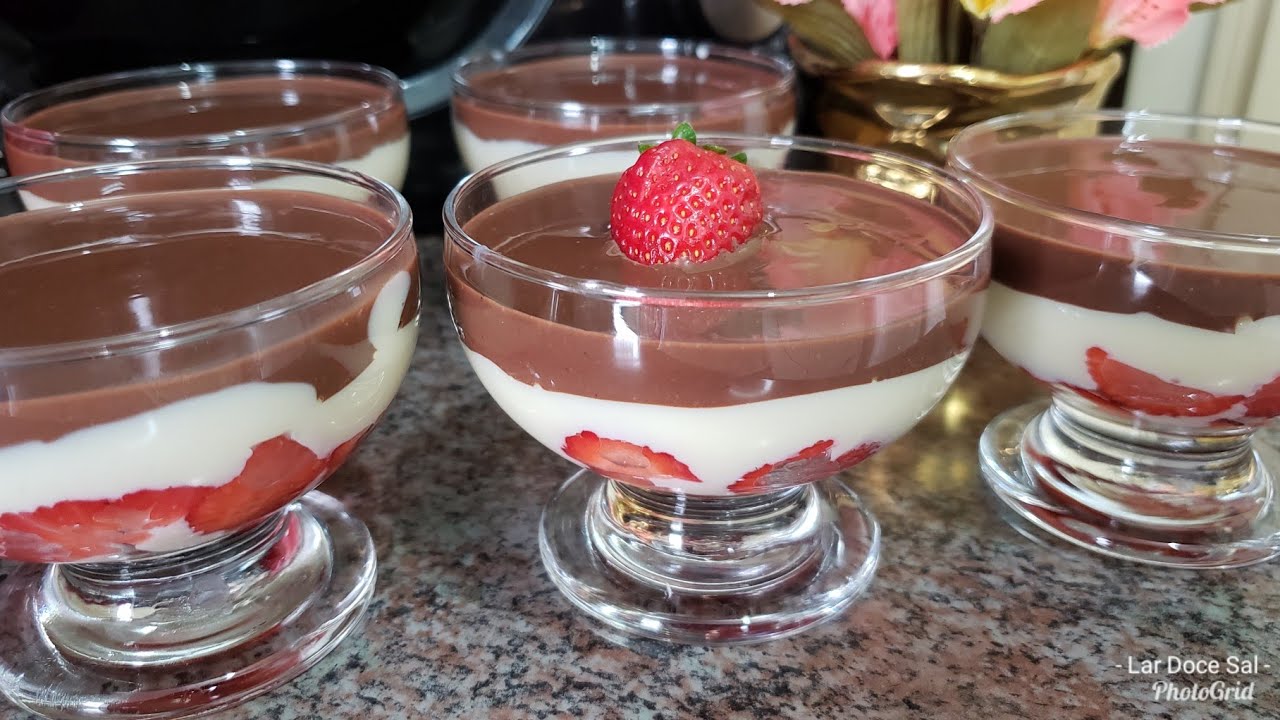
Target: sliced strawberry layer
856,455
278,471
624,461
812,463
1265,403
1132,389
780,474
77,530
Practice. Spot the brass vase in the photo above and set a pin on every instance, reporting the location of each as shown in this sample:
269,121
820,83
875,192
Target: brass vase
917,108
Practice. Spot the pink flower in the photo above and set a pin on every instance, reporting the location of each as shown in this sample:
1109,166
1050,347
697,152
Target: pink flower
1149,22
879,22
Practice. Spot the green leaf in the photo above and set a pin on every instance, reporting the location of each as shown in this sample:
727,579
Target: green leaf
826,28
919,26
740,157
716,149
1049,36
646,146
684,131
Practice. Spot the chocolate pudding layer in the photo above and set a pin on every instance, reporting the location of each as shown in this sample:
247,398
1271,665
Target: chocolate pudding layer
326,119
703,351
121,266
1182,187
552,101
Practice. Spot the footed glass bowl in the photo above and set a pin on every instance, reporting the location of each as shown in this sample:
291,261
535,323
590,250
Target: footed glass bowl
713,407
1136,264
187,348
509,103
347,114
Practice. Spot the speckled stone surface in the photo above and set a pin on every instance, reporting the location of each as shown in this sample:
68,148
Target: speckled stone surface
966,618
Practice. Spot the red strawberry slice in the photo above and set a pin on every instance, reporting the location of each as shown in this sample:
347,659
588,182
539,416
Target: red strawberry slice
1265,403
857,455
787,472
810,464
624,461
682,202
278,471
81,530
1132,389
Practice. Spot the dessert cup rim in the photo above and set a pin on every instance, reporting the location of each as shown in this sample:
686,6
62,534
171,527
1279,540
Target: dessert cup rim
177,334
15,112
585,47
1146,232
978,241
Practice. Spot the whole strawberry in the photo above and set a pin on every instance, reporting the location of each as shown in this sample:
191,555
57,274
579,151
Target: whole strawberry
682,202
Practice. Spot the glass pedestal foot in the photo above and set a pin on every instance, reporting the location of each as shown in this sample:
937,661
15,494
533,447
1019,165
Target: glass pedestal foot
708,571
1175,501
191,632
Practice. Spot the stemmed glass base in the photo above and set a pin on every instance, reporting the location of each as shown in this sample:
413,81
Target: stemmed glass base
708,571
191,632
1156,497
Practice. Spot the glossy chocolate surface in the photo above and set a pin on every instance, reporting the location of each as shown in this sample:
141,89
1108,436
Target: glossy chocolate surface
699,352
1183,187
512,102
116,267
304,117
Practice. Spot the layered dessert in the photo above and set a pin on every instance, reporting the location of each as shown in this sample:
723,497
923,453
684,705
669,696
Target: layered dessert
353,122
538,98
681,366
1184,324
175,366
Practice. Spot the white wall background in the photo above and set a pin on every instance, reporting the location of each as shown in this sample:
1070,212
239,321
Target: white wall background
1220,64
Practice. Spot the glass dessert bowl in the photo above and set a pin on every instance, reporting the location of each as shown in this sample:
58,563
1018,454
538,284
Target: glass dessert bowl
713,405
347,114
1136,263
186,351
509,104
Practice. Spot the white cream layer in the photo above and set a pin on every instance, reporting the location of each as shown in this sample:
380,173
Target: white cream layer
478,153
388,162
721,444
1049,339
206,440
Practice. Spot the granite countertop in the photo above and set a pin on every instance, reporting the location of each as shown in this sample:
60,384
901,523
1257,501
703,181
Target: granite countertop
966,617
